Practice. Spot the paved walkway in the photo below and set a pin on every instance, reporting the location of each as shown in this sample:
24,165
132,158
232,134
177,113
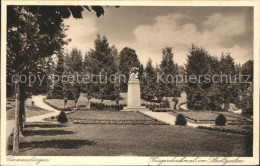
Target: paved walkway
9,128
38,101
170,119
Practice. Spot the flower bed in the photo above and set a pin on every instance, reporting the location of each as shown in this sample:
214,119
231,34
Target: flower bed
112,118
115,122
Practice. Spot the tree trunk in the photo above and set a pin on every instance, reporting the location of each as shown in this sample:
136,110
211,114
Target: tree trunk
88,104
16,117
21,116
226,106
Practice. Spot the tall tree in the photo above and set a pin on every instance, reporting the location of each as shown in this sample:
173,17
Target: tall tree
248,71
229,87
57,92
30,30
168,72
149,81
198,64
127,59
103,66
73,70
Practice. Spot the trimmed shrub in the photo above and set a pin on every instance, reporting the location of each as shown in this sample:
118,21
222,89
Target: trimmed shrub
221,120
49,95
180,120
62,118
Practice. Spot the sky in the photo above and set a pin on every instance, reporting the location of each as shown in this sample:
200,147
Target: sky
148,30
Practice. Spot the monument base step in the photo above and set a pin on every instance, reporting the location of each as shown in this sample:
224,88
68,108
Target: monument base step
141,108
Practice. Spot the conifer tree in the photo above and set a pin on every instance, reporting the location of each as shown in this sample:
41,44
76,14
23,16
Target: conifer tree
168,72
148,80
57,92
127,59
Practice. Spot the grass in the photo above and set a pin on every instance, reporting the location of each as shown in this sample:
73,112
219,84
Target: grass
114,140
210,116
231,114
29,112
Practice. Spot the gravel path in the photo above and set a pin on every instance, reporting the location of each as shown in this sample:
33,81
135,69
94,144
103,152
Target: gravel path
38,101
170,119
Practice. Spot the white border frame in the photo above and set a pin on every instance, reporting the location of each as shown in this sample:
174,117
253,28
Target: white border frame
105,160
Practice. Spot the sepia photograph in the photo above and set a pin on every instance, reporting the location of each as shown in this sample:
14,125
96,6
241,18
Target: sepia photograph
168,83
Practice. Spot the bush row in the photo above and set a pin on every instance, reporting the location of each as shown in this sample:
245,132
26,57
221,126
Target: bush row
248,132
162,110
101,106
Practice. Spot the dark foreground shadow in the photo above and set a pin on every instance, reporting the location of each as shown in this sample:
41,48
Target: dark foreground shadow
46,125
60,144
46,132
249,145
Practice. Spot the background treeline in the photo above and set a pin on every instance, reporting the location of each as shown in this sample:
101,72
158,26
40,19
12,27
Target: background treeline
106,60
201,95
207,95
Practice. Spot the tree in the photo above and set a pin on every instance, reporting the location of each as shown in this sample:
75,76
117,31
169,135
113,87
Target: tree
248,71
148,82
100,63
73,70
228,88
247,102
168,71
58,90
199,63
127,59
115,54
30,30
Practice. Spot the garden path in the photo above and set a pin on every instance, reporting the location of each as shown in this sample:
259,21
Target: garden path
170,119
38,101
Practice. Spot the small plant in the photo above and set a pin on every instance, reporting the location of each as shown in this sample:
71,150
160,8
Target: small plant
180,120
62,118
221,120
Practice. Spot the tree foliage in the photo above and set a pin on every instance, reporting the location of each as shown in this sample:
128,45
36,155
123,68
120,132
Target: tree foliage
34,33
127,59
100,62
168,70
148,82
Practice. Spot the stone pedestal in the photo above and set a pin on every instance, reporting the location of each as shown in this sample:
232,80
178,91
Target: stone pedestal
134,96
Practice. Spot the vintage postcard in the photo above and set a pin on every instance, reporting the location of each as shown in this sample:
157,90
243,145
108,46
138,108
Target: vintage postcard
130,82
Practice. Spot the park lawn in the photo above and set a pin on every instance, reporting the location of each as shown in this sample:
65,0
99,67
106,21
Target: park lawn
210,116
231,114
29,112
107,115
128,140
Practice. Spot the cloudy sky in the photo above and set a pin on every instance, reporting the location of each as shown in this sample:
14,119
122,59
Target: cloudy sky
149,29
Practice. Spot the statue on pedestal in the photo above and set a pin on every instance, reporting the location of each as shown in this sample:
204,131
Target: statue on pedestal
134,74
133,91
